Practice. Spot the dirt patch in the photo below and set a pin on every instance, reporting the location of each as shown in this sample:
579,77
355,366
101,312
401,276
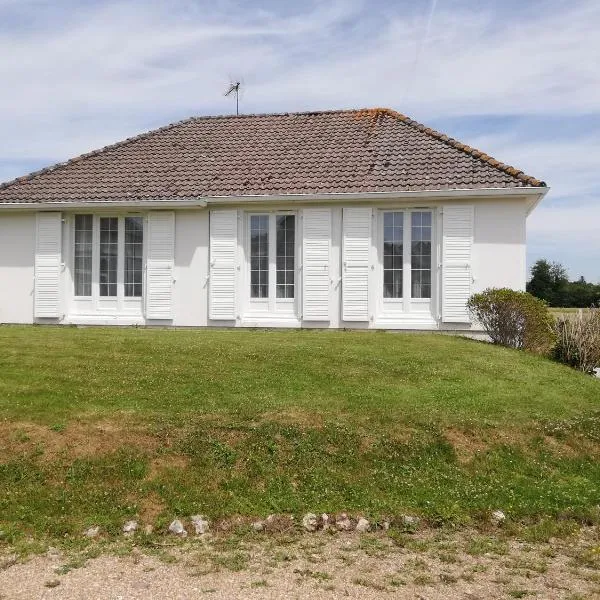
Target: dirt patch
150,508
75,440
167,462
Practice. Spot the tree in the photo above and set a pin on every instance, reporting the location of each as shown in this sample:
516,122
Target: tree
549,282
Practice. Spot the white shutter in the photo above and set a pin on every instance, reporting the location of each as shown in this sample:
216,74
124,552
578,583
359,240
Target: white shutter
223,261
315,264
160,264
456,266
47,265
356,246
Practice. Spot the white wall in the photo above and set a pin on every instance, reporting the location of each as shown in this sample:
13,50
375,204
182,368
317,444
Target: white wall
498,259
17,244
499,248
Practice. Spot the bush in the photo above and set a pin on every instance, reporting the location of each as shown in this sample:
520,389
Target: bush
578,340
514,319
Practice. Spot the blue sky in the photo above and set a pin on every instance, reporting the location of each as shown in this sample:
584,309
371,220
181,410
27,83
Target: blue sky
520,80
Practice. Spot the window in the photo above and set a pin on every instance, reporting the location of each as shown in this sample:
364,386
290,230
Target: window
393,228
82,269
286,250
272,265
259,256
108,257
406,254
134,256
421,254
109,247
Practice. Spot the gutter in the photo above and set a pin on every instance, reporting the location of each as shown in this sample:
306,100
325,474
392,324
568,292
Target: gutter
534,193
361,196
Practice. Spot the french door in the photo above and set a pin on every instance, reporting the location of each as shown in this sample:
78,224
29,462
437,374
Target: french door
108,259
271,252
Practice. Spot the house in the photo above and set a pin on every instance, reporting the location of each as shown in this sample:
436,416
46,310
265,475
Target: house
359,218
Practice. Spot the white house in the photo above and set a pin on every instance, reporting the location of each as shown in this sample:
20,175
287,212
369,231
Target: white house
362,219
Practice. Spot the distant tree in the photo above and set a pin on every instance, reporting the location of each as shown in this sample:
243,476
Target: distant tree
583,294
550,282
541,283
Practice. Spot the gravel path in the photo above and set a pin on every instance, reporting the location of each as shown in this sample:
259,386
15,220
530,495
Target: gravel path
318,566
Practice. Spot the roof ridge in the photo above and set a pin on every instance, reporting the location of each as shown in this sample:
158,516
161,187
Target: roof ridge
479,154
373,112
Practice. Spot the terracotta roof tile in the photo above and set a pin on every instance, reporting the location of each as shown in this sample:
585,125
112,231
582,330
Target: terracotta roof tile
273,154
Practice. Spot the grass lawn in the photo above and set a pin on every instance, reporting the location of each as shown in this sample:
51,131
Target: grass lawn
101,425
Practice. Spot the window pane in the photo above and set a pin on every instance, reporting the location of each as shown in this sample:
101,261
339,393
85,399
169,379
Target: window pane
285,226
393,248
134,255
82,271
109,246
259,256
421,255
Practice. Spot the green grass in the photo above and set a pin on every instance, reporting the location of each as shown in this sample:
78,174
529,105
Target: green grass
100,425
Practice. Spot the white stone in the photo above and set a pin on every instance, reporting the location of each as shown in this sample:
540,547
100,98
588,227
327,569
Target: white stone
130,527
92,532
201,524
177,528
258,526
385,525
362,526
310,522
497,518
325,521
343,523
410,521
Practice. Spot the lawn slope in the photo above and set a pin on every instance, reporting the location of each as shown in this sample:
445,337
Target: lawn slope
100,425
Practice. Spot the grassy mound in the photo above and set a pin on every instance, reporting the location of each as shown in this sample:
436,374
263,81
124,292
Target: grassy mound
100,425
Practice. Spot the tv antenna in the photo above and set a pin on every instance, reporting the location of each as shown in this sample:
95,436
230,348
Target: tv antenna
234,88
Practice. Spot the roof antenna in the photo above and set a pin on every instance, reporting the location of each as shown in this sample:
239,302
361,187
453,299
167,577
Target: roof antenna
235,87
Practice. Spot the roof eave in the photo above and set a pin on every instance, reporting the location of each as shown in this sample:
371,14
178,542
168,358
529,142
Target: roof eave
534,195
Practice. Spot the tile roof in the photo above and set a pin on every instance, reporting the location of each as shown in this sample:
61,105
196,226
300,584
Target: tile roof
367,150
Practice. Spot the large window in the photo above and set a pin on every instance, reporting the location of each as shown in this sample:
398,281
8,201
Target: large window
407,237
82,269
272,265
259,256
393,230
109,248
421,254
108,257
286,251
134,256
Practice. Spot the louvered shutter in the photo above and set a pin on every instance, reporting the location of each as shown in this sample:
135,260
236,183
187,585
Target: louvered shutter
456,265
223,263
356,246
47,265
160,264
315,264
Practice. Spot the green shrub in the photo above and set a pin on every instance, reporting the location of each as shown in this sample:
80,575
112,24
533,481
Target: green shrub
578,340
514,319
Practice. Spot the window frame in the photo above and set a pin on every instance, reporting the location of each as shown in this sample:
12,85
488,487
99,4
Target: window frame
95,303
270,304
404,304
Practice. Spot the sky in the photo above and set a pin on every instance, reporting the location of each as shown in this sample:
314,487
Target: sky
517,79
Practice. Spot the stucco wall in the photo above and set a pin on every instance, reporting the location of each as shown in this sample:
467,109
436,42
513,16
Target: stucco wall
498,260
499,248
17,244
